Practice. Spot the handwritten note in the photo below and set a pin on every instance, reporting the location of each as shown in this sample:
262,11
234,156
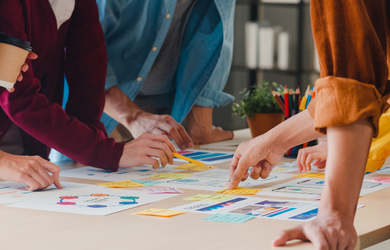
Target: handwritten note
171,176
239,191
160,212
208,197
121,184
195,167
232,218
382,179
311,175
148,183
172,190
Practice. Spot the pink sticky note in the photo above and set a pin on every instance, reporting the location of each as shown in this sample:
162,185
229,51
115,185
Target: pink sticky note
382,179
172,190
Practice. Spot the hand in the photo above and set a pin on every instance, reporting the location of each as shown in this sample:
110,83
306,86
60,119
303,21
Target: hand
30,170
257,153
328,231
30,56
160,125
141,150
317,153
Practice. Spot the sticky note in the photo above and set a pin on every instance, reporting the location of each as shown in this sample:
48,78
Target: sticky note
195,167
382,179
148,183
208,197
171,190
171,176
160,212
311,175
239,191
277,170
121,184
232,218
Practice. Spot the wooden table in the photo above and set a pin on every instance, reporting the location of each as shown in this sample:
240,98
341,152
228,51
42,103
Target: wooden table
35,229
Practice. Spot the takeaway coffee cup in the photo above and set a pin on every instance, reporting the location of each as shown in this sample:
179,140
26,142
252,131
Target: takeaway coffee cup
13,54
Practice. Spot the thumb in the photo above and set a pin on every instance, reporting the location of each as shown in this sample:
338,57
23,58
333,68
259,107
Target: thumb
291,234
266,169
55,170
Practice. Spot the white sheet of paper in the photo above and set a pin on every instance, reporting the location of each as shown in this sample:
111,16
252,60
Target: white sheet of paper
122,174
90,199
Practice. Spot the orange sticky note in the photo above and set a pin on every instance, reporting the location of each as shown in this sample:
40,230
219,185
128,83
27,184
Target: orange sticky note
239,191
160,212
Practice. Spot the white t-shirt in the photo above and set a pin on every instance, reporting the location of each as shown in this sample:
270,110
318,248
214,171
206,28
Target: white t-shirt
62,9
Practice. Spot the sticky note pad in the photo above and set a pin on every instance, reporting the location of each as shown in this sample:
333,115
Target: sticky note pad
160,212
239,191
171,176
232,218
148,183
382,179
208,197
195,167
311,175
121,184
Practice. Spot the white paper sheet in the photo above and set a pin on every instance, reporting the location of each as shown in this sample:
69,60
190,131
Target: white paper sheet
90,199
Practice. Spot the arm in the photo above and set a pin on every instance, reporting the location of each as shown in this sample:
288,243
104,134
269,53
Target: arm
122,109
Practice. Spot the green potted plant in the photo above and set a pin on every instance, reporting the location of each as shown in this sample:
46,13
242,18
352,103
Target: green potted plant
260,108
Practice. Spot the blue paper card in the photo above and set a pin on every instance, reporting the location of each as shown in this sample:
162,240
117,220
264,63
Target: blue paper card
232,218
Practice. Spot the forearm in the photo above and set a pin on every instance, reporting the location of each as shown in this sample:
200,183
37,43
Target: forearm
296,130
120,107
348,149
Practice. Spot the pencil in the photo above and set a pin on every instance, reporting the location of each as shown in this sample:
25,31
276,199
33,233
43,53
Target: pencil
296,101
189,160
309,98
303,103
314,93
278,100
291,99
286,102
280,97
307,91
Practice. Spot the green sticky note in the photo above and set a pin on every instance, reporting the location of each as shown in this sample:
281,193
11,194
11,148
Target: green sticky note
232,218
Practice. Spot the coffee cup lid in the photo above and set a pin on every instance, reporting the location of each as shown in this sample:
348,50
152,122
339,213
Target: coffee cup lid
4,38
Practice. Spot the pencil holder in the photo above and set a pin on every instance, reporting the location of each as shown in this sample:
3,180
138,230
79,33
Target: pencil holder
293,152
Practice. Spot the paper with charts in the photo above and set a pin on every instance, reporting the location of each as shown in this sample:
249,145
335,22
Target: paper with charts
205,156
309,188
216,179
122,174
258,207
89,199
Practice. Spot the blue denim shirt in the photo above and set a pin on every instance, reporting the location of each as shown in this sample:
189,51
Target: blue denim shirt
134,27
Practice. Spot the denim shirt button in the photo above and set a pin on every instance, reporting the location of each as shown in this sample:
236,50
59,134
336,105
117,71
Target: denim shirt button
139,79
168,16
154,48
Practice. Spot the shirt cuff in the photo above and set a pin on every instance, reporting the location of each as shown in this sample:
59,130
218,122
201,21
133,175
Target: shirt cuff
341,101
214,98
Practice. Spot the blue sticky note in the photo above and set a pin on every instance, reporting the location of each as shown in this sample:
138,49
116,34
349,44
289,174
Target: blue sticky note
148,183
232,218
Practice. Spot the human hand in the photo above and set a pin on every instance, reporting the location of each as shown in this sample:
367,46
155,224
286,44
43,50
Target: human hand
257,153
328,231
141,150
318,154
160,125
30,56
29,170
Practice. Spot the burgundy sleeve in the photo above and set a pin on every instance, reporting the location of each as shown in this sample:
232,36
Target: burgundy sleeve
32,112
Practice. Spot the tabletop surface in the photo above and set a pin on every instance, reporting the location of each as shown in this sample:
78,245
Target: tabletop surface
35,229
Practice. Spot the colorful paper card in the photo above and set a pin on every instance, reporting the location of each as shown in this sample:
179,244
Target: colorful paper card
232,218
160,212
195,167
148,183
121,184
171,176
206,156
382,179
172,190
208,197
239,191
311,175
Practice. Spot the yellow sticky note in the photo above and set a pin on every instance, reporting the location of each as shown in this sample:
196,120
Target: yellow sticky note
171,176
277,170
311,175
195,167
208,197
160,212
239,191
121,184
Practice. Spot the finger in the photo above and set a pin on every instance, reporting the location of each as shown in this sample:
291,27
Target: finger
246,175
291,234
238,174
32,56
233,165
25,67
332,237
184,135
173,134
11,90
316,162
255,172
299,160
159,154
164,147
321,165
308,161
20,77
164,139
350,244
54,170
317,237
150,161
32,184
43,183
42,172
303,160
266,169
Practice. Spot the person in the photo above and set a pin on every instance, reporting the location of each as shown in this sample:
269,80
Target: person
68,38
352,40
167,57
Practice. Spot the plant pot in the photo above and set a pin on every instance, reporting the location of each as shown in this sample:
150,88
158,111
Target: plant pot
262,123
